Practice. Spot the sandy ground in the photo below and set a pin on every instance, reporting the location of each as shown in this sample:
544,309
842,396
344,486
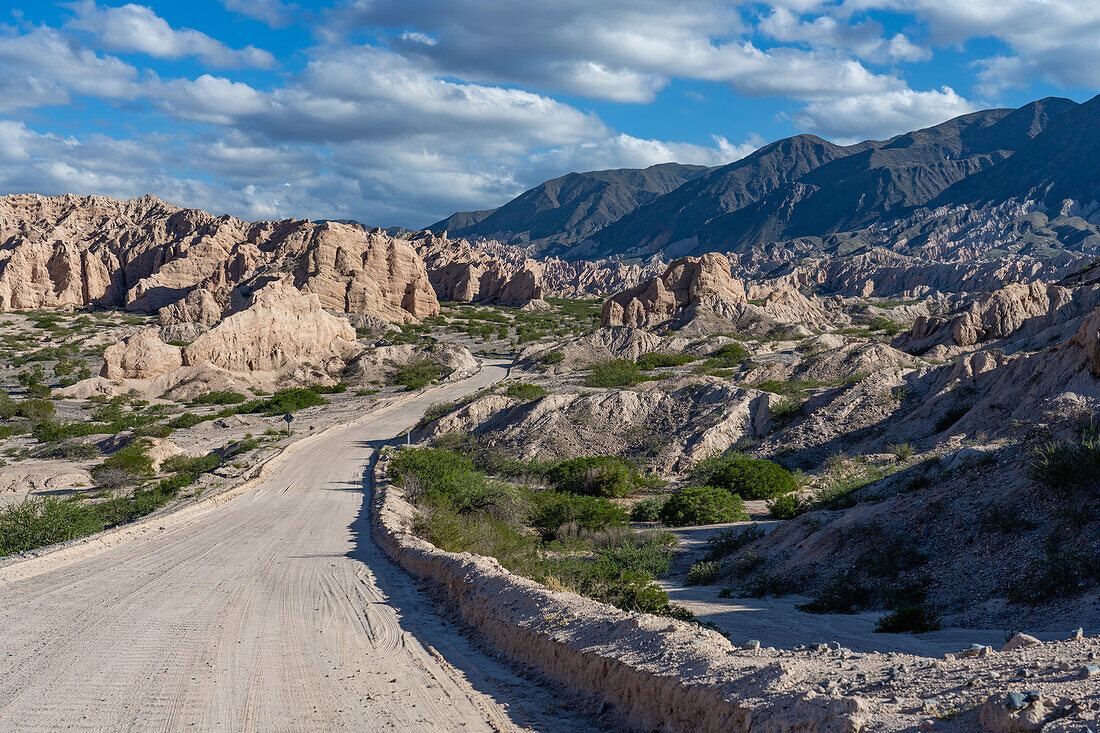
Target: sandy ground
777,622
274,611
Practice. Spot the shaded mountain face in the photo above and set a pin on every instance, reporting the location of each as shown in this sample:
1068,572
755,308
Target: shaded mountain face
809,194
837,190
1060,163
571,208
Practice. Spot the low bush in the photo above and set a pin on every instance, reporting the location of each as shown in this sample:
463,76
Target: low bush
704,572
192,466
787,506
655,360
1067,464
596,476
188,420
647,510
1063,571
730,355
614,373
38,521
915,619
731,540
845,593
220,397
752,478
694,505
785,408
550,358
524,391
552,510
128,465
418,374
902,451
437,410
283,401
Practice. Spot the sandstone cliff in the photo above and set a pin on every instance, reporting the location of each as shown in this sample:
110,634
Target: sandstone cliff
687,281
279,329
143,254
491,272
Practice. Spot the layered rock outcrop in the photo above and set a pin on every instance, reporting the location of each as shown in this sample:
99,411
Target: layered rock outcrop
280,328
143,254
686,282
491,272
142,356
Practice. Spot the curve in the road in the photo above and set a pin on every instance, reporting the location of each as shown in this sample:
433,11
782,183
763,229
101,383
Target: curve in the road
275,611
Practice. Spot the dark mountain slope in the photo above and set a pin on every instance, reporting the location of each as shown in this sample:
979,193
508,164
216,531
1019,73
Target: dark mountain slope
679,215
883,181
572,207
861,185
1061,162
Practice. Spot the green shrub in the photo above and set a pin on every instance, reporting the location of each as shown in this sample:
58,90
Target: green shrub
192,466
787,506
785,408
440,472
1067,464
881,323
845,593
188,420
39,521
595,476
553,509
641,552
731,354
704,572
647,510
702,505
219,397
524,391
614,373
902,451
329,388
917,619
551,358
283,401
1005,519
437,410
655,360
729,541
418,374
752,478
128,465
703,469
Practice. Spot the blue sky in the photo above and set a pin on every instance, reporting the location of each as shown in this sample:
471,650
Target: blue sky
398,113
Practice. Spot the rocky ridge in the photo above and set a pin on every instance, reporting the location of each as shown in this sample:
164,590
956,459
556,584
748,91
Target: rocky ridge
143,254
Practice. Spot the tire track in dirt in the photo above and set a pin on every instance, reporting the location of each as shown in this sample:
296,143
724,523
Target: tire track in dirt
274,611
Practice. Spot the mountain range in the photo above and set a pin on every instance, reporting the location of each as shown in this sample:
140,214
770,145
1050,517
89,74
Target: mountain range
1024,179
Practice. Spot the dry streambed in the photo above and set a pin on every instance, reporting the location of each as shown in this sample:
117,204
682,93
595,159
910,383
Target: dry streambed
673,675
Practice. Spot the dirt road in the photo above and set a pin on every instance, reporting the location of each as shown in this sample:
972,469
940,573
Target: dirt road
275,611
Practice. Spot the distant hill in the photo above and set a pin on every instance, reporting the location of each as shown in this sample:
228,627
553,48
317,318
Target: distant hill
809,190
570,208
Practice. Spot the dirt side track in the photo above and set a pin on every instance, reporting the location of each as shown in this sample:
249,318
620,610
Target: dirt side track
275,611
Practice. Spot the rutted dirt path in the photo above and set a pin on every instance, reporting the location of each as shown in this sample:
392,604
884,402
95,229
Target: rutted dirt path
275,611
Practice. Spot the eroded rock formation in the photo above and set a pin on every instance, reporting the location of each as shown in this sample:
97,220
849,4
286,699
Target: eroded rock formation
144,254
687,281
